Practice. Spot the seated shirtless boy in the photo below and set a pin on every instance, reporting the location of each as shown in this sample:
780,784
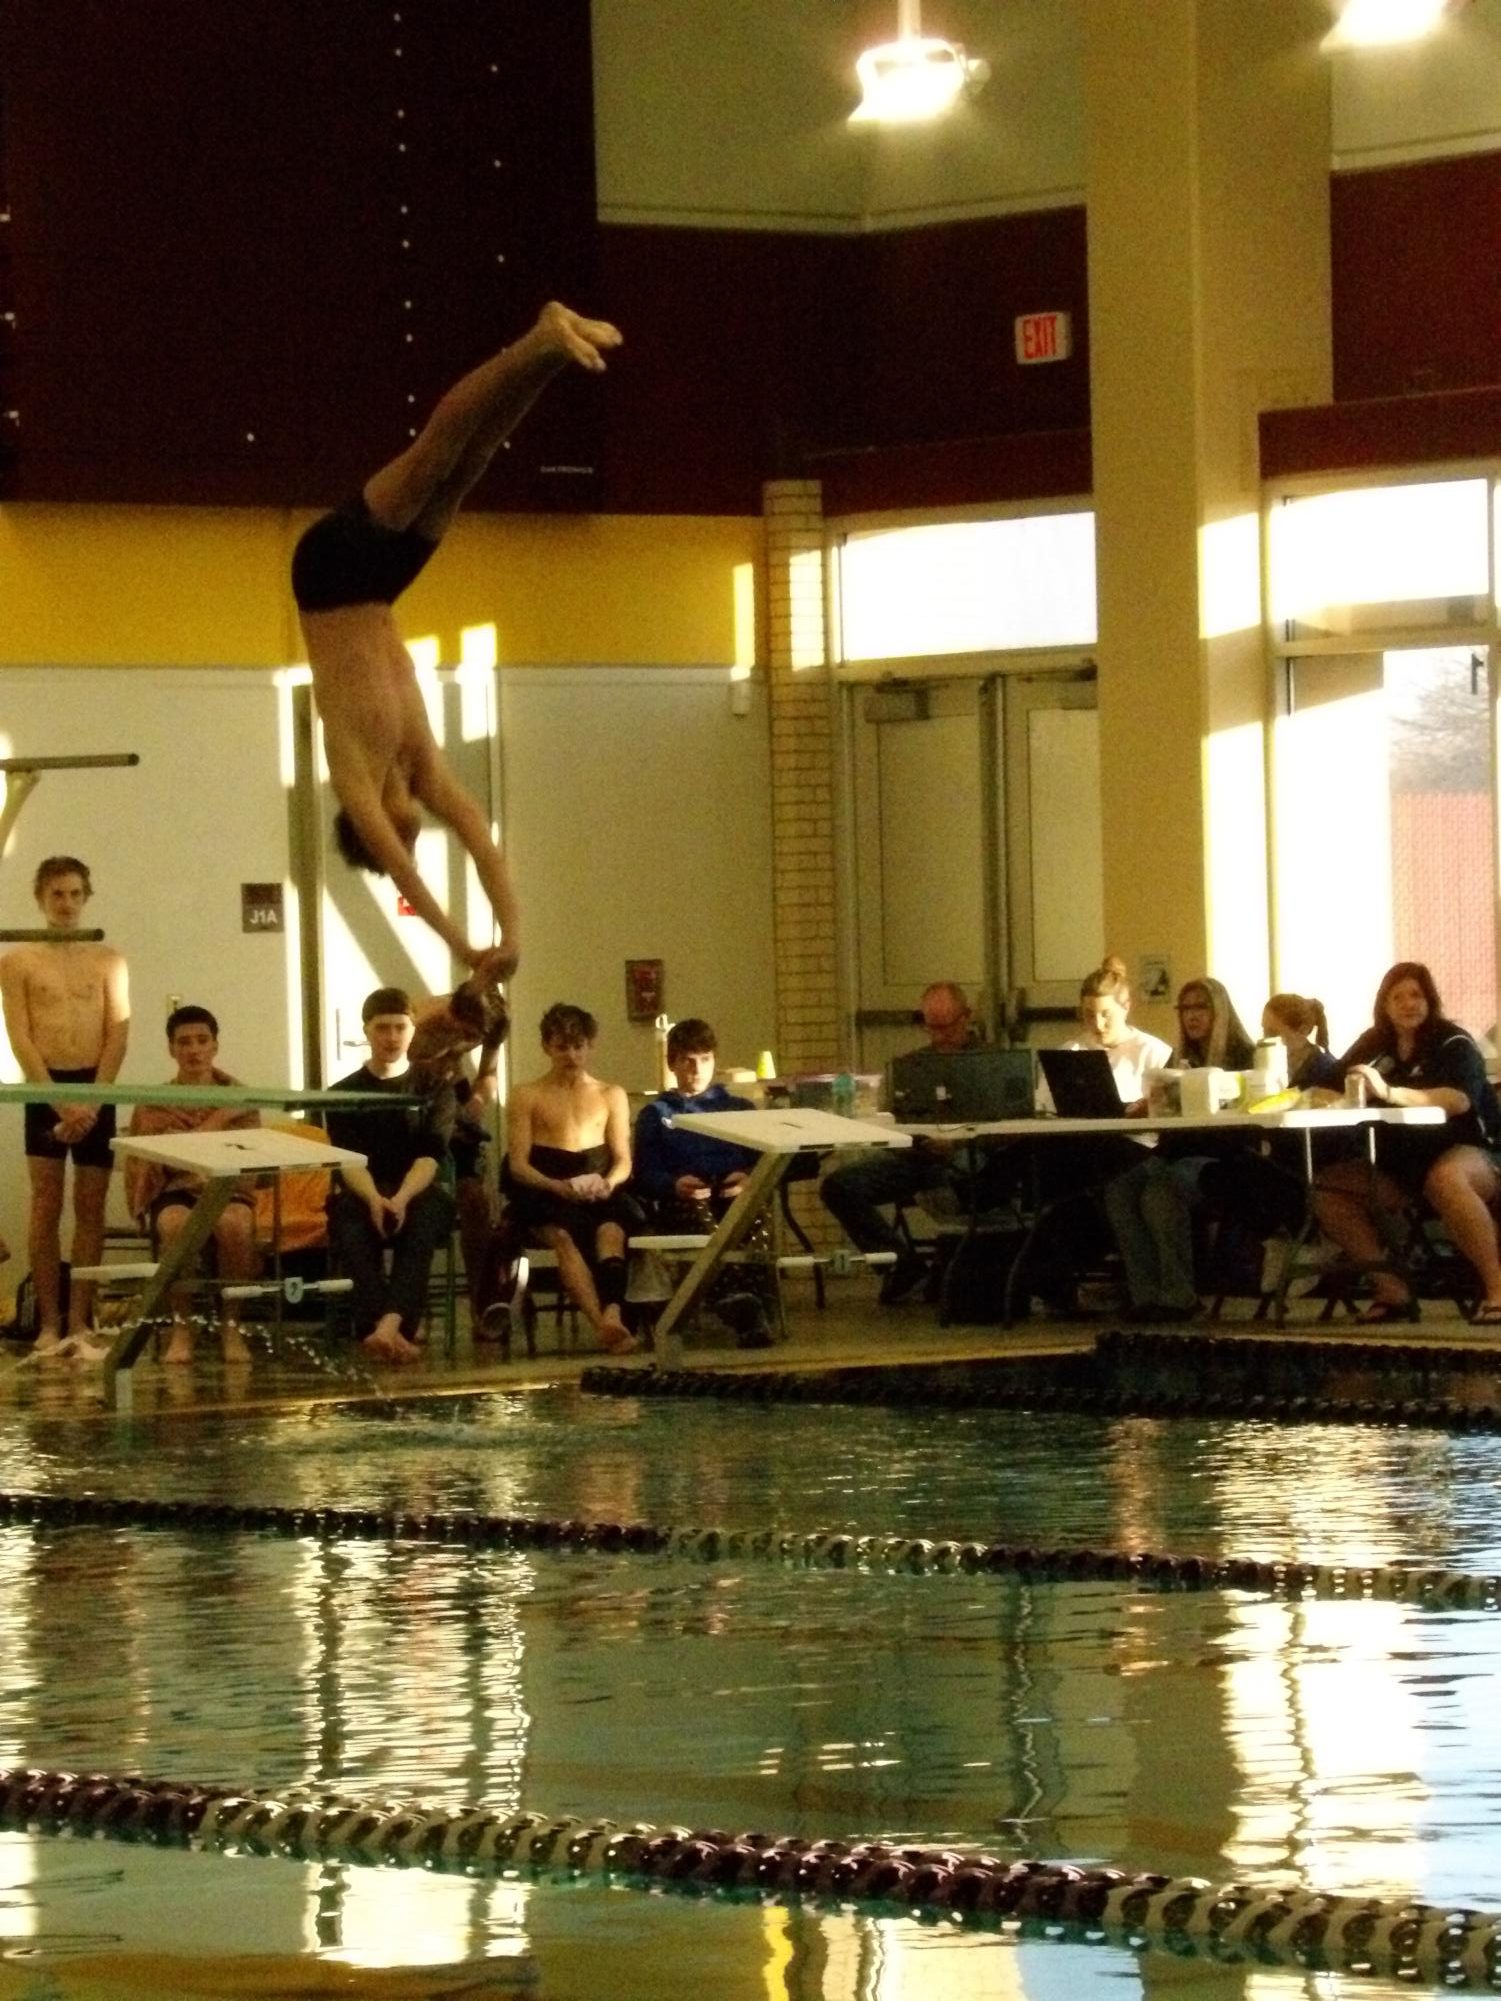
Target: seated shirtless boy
568,1155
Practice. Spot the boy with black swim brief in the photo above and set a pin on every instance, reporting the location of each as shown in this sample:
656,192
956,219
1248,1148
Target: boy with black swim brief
347,572
67,1013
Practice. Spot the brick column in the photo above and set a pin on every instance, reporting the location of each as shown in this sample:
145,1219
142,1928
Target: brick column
810,1021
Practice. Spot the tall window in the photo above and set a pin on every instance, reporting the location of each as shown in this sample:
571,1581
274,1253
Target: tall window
1022,582
1384,773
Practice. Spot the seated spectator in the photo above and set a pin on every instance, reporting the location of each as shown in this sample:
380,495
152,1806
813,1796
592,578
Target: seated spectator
690,1180
395,1202
1304,1031
1074,1235
1263,1193
568,1156
1412,1054
1104,1011
1151,1205
162,1198
857,1192
1210,1033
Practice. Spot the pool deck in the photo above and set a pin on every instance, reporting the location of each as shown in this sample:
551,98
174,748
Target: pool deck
852,1336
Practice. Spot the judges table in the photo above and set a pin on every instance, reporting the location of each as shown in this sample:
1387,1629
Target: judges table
222,1159
1308,1124
779,1137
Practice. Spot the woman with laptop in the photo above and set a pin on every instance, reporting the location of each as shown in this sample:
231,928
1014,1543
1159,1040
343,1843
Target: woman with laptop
1104,1008
1102,1073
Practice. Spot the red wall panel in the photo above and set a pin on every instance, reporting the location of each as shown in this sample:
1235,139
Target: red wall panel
1416,254
249,244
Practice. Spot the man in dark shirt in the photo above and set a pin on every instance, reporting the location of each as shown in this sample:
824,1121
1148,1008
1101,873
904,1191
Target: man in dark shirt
395,1201
857,1193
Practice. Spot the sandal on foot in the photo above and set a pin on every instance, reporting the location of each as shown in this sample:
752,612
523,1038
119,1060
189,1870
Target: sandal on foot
1487,1314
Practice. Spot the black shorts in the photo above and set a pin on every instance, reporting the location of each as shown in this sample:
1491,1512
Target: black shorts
348,557
182,1198
93,1150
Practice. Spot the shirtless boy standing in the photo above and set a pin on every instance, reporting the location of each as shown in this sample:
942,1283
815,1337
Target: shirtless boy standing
67,1013
568,1152
347,572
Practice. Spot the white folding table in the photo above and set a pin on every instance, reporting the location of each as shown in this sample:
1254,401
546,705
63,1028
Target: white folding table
1296,1119
779,1137
221,1158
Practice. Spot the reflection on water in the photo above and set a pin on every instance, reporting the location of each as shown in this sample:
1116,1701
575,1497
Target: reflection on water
1349,1745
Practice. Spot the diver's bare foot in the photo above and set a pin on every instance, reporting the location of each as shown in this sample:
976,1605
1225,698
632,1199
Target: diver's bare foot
49,1346
389,1344
584,341
236,1347
179,1348
82,1347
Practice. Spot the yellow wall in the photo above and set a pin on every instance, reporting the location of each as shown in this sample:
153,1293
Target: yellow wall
143,586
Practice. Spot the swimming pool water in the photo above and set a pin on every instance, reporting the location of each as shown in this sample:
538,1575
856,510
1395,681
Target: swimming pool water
1354,1746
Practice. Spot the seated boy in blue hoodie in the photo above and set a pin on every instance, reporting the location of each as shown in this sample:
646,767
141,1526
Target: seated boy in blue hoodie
690,1180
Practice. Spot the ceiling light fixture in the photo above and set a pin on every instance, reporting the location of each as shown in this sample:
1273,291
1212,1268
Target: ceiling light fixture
1368,24
915,77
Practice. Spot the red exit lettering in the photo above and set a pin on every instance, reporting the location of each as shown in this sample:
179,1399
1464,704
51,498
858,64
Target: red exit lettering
1043,337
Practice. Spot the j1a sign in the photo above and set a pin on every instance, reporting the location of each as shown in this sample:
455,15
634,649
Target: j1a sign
1043,337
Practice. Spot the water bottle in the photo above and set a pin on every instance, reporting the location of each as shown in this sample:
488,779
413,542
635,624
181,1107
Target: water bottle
844,1095
1271,1056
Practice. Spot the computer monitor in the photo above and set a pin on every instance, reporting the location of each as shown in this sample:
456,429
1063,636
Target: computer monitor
960,1086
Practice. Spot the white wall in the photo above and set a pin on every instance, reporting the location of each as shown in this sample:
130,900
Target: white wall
1442,95
638,822
1016,144
731,113
168,844
725,113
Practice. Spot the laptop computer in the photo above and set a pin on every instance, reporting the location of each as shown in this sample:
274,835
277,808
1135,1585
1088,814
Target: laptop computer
960,1086
1082,1083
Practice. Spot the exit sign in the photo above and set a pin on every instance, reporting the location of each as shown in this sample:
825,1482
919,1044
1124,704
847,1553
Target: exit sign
1043,337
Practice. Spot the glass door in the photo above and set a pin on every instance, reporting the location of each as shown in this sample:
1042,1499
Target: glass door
976,848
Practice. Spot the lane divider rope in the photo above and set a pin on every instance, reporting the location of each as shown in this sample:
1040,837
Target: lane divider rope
934,1387
819,1549
1448,1947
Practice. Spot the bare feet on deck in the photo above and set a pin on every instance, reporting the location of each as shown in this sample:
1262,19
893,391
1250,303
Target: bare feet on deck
614,1336
386,1343
179,1348
232,1337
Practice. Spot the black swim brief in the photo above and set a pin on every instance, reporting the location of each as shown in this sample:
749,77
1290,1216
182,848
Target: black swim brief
348,558
93,1150
182,1198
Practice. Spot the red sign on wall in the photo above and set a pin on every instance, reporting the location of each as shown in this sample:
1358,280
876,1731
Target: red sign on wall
1044,337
